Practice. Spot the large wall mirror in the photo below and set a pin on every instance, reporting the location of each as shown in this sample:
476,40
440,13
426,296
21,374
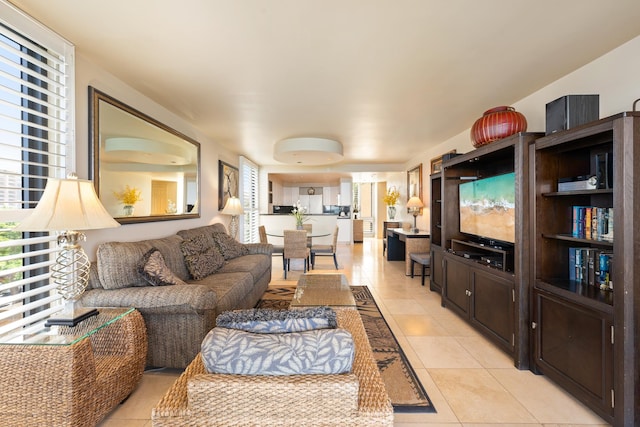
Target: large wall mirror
142,169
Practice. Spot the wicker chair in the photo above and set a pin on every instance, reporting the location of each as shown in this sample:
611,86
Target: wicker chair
295,247
326,250
277,249
359,398
309,229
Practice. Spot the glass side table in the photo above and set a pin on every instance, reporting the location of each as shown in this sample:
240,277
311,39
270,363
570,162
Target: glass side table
72,376
323,289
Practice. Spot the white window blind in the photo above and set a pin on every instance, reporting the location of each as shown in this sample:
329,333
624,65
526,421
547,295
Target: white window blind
36,142
249,197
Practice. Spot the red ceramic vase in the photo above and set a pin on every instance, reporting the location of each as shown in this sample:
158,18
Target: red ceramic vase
497,123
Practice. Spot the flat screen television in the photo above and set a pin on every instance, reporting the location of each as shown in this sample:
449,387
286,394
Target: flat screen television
487,208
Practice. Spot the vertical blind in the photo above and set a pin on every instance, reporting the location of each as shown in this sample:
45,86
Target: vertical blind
36,142
249,199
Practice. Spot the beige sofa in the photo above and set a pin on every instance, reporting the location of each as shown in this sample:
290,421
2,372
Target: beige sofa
177,317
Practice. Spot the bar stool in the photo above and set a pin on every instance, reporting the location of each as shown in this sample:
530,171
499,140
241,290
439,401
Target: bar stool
422,258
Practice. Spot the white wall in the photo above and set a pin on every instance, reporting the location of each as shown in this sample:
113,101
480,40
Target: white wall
613,76
88,74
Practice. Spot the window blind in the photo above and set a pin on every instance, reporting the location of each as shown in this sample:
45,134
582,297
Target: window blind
249,197
36,142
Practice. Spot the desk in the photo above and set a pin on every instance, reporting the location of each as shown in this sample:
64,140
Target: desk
400,243
72,376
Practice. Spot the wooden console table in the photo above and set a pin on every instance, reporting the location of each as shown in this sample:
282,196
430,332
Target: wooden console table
400,243
71,376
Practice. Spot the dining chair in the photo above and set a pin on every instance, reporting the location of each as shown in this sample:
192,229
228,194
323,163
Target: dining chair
309,229
277,249
326,250
295,247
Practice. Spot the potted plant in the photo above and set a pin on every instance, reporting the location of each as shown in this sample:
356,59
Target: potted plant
299,213
128,197
390,199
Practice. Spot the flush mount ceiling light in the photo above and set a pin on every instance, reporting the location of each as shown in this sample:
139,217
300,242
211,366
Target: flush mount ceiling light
308,151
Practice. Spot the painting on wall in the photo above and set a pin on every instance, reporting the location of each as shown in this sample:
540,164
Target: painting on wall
436,162
227,183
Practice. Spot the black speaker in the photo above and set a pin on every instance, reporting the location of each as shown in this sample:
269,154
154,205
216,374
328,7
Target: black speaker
602,168
571,111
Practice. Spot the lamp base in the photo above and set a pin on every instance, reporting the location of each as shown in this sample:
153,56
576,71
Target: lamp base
71,317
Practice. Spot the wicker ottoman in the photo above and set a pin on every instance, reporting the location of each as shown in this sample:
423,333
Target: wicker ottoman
198,398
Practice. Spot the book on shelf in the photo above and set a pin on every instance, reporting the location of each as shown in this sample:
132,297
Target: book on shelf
590,266
592,222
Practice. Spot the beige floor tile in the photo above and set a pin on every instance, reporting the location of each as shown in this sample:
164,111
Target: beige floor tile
476,397
486,353
547,402
404,306
419,325
442,352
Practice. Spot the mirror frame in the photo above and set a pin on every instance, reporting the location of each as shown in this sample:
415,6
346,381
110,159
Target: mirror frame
95,98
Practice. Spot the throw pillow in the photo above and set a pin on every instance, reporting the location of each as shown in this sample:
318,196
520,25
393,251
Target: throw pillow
322,351
229,247
268,321
153,269
201,259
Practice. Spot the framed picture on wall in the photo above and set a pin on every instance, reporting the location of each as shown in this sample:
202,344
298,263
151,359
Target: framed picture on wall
414,182
436,162
227,183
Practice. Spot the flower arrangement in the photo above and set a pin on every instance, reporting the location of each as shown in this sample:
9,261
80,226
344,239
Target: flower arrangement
299,213
130,196
391,198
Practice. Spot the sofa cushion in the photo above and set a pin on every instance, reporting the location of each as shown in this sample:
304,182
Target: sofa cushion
201,256
231,288
229,247
269,321
153,269
254,264
118,261
320,351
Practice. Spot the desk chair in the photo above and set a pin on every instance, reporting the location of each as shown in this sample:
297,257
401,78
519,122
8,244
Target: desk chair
325,250
295,247
422,258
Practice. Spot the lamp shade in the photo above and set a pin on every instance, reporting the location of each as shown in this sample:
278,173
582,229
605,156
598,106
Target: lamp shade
415,203
233,207
68,204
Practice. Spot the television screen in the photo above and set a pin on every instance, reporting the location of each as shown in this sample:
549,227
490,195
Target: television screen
487,208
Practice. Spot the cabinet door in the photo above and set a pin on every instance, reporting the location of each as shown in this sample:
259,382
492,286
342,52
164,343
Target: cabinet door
456,285
573,347
437,271
492,306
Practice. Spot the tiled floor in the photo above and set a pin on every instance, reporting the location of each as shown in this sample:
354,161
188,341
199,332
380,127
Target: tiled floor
470,382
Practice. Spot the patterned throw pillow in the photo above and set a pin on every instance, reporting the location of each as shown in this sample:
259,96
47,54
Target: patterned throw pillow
322,351
200,259
268,321
154,270
229,247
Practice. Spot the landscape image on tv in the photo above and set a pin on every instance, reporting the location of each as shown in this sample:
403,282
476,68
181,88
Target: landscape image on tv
487,207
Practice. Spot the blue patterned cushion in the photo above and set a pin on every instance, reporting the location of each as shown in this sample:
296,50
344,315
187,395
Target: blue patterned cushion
321,351
268,321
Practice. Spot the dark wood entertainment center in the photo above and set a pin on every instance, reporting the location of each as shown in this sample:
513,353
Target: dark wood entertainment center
521,296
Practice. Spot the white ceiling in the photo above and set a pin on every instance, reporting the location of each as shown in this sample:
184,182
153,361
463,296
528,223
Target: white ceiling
387,78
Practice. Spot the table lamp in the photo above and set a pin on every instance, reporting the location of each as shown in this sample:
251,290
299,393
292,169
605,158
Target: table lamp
65,206
415,204
234,208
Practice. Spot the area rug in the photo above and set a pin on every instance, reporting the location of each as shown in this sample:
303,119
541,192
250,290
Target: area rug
404,388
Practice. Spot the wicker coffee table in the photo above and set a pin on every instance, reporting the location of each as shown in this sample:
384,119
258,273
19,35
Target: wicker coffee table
71,376
323,289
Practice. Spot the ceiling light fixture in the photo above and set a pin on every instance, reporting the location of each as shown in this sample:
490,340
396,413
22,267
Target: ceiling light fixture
308,151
